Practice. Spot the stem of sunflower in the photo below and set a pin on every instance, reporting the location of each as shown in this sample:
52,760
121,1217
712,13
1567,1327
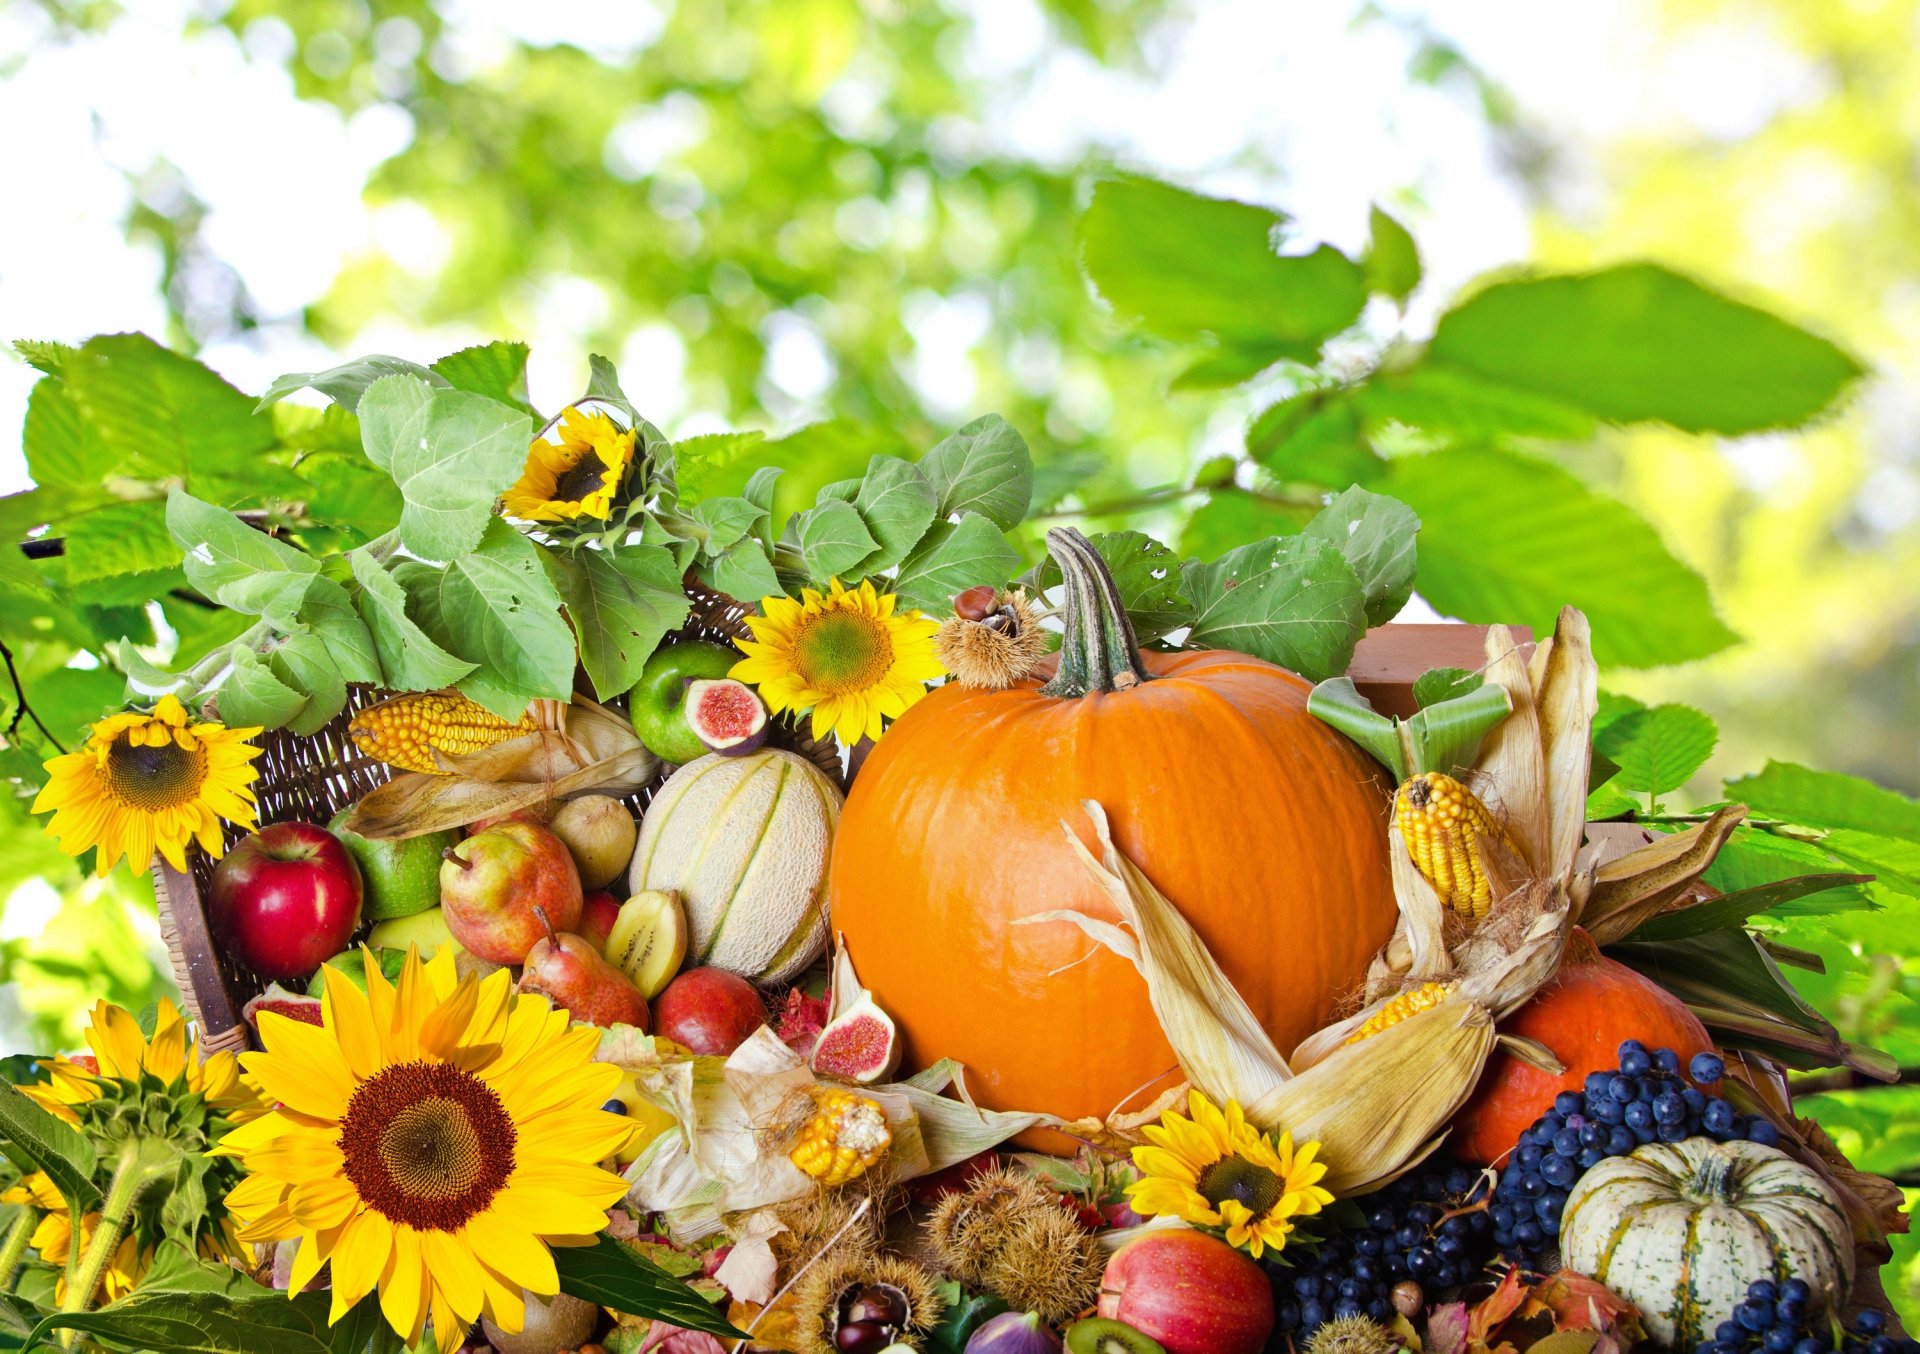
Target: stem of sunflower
143,1161
14,1248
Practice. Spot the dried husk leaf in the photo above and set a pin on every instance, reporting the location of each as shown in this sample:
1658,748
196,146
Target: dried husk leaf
1423,917
1512,767
1215,1035
1643,883
1120,1132
597,751
1565,682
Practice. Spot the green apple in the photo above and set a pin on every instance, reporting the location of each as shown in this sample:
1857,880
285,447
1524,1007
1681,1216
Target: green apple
657,703
353,966
401,876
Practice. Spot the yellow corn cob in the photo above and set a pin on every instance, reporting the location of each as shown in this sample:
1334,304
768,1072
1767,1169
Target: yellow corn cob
407,730
845,1136
1410,1002
1440,819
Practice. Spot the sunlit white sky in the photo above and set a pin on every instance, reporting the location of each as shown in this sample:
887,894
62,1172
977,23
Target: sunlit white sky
1308,83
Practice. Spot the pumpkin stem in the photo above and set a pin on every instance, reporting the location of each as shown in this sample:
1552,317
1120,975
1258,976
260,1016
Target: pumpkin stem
1099,652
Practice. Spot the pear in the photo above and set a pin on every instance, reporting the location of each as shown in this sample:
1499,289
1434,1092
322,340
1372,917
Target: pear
569,971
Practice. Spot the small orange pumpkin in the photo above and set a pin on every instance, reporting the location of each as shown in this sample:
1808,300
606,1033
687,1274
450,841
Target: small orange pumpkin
1264,826
1589,1008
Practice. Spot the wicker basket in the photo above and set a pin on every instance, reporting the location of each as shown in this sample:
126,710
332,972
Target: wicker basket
311,778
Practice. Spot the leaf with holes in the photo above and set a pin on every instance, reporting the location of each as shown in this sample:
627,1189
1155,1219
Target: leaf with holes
450,452
1377,535
986,468
622,604
1152,587
1289,600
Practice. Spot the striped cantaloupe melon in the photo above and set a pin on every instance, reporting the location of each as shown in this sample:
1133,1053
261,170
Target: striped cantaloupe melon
1680,1230
746,841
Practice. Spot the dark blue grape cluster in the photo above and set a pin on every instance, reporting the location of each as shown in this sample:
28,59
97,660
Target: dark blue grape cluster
1643,1100
1783,1318
1413,1229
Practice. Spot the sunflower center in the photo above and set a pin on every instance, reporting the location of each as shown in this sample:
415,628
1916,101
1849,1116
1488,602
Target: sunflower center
841,651
154,778
1253,1186
427,1144
586,476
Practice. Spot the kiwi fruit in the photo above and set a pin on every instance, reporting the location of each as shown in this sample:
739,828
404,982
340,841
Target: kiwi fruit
1098,1335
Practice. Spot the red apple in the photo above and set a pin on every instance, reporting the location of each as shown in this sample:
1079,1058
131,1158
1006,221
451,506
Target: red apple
597,914
709,1010
1191,1292
286,899
491,883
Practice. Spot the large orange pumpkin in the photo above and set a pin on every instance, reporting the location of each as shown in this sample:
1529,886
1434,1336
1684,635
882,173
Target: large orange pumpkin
1265,827
1589,1008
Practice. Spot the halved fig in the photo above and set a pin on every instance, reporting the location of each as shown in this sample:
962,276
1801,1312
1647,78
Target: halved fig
726,716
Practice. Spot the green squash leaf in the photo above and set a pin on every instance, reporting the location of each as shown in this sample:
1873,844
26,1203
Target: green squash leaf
898,505
253,696
305,663
953,557
744,572
409,658
832,539
622,603
1152,586
726,520
348,382
451,453
1377,535
1289,600
239,567
986,468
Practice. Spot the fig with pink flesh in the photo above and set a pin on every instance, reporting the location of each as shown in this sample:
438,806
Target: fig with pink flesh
726,716
277,999
860,1043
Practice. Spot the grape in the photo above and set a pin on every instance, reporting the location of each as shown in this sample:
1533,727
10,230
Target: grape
1666,1060
1778,1318
1635,1063
1763,1133
1706,1068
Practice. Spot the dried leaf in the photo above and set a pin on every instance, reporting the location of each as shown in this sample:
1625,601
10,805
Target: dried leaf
1643,883
1447,1327
1582,1304
1422,915
1565,696
1492,1311
1512,766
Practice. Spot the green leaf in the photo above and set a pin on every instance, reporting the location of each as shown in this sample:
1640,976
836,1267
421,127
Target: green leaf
700,463
1658,749
619,1277
832,539
253,695
1189,267
495,607
1733,909
1878,1128
347,383
1447,400
986,468
1291,601
330,614
603,384
962,1314
1152,587
1439,684
1315,437
1377,535
1827,799
1232,517
349,492
120,538
1751,858
726,520
953,557
160,415
409,659
897,504
1443,736
450,452
496,370
65,1155
1508,539
238,566
1638,342
622,603
45,355
176,1269
1392,261
204,1323
63,450
305,663
744,572
761,486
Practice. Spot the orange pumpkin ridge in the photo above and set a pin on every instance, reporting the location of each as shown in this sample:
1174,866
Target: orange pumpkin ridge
1589,1008
1264,826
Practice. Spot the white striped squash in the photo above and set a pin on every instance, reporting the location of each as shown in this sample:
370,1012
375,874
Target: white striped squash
746,840
1680,1230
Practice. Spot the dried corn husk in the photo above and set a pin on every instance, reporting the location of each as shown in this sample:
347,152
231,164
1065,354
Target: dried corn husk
581,747
1632,888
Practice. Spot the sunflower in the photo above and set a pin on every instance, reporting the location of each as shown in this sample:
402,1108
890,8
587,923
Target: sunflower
147,781
121,1053
433,1137
577,477
846,656
53,1239
1216,1170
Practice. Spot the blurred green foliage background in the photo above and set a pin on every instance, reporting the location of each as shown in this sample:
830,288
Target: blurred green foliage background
861,214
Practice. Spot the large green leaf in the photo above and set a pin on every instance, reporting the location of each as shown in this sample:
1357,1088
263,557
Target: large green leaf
1659,748
120,538
497,370
1232,517
743,571
953,557
1289,600
1316,437
1377,535
1152,587
832,539
603,384
450,452
1827,799
619,1277
1457,404
1878,1129
898,504
347,383
1733,909
1506,538
254,696
622,603
986,468
409,658
1189,267
1639,342
63,450
305,663
495,607
51,1146
238,566
159,415
1392,262
331,616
